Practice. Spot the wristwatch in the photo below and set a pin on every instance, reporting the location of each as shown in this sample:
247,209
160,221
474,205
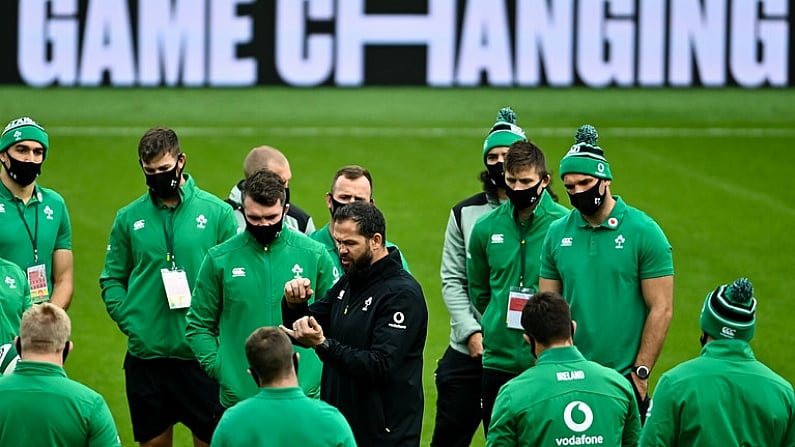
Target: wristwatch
642,371
322,349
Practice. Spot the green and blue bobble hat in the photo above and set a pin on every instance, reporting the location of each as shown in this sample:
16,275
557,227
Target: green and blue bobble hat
504,132
729,311
585,157
24,129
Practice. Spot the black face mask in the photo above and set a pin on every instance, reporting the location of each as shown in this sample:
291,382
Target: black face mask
524,198
702,339
22,172
265,234
335,205
165,184
286,196
588,202
497,174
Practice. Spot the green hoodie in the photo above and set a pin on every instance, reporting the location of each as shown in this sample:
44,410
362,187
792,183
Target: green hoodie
494,265
724,397
565,400
14,299
132,284
43,407
239,289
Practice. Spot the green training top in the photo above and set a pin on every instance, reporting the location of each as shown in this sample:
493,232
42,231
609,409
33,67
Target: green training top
43,223
323,236
600,269
282,417
565,400
498,249
239,288
132,284
14,299
725,397
43,407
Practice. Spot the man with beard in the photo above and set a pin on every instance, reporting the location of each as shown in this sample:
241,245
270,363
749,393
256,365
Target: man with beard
35,230
351,183
459,374
502,266
266,157
614,266
369,330
240,287
156,246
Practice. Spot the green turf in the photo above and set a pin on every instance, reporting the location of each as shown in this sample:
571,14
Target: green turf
711,166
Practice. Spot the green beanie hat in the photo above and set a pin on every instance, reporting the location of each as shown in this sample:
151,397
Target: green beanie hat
585,157
24,129
504,132
730,311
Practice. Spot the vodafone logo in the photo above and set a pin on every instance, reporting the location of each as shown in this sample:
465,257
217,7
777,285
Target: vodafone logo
578,417
397,321
585,414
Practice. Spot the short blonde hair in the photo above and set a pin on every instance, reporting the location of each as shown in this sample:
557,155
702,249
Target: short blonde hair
45,329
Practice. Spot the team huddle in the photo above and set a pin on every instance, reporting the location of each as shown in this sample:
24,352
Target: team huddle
251,327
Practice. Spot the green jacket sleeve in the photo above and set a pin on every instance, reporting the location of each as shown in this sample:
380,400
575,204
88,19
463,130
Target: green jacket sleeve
118,264
325,275
464,321
228,227
502,430
27,301
629,437
478,269
201,328
661,424
102,429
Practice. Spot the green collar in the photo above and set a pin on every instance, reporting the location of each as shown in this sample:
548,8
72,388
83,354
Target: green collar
561,354
32,368
733,349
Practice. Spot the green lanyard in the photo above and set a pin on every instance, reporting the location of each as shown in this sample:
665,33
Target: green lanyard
168,229
34,235
523,229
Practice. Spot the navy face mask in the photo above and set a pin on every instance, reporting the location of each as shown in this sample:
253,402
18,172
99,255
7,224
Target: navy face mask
165,184
589,201
265,234
497,174
525,198
22,172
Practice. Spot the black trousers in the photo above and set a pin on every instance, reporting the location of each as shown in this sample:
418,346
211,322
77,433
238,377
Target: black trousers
493,380
458,413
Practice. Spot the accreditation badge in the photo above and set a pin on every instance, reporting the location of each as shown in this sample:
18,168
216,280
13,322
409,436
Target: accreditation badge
37,278
177,289
517,298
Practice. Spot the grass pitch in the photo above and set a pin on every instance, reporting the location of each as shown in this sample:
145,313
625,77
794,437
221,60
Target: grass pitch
711,166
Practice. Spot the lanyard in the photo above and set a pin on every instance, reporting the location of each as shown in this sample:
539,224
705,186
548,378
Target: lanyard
34,235
523,229
168,229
